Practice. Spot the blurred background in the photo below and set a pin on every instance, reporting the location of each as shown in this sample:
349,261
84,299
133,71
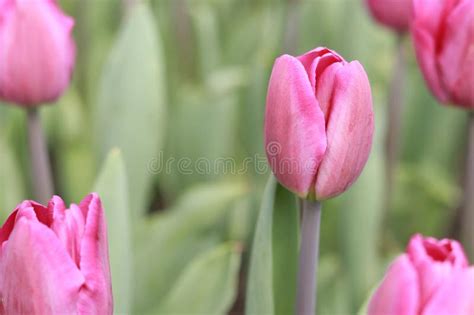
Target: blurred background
160,82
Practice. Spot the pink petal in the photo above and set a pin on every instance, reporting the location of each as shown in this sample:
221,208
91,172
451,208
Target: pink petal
456,59
295,136
393,13
36,65
69,226
456,296
426,56
428,15
29,209
316,60
96,296
37,276
436,262
398,292
349,128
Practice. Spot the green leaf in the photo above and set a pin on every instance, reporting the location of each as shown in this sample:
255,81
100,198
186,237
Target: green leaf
271,285
111,186
360,223
69,130
172,238
259,297
285,234
208,285
131,104
11,181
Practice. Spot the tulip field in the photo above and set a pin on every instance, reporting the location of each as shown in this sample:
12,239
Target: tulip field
255,157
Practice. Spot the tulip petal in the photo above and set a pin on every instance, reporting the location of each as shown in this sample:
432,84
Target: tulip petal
393,13
456,59
456,296
316,60
436,262
427,17
49,281
295,135
398,292
37,65
96,295
349,129
69,226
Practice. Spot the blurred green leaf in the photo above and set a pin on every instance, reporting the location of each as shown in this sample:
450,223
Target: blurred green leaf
111,185
205,25
333,295
71,141
131,104
202,133
273,263
208,285
11,181
285,233
360,221
259,296
169,240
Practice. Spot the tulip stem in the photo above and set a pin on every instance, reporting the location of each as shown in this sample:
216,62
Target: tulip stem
40,166
308,261
394,113
467,228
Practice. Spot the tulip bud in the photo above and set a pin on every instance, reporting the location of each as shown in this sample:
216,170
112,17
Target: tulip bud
318,123
395,14
55,260
432,277
36,51
443,34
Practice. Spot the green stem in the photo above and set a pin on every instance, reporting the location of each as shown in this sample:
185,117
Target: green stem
467,222
308,260
394,113
40,167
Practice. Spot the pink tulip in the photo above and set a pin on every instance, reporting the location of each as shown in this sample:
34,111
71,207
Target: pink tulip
395,14
432,278
55,260
318,122
443,34
36,51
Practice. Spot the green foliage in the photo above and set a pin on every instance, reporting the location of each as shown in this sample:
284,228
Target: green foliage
11,181
272,275
131,101
207,285
111,186
170,240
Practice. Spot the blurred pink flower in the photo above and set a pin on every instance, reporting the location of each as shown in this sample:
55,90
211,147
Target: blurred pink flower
443,34
36,51
432,277
318,122
55,260
395,14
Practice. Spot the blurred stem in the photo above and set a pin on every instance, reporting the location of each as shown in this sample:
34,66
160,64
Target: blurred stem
290,39
308,261
467,222
395,109
40,165
128,5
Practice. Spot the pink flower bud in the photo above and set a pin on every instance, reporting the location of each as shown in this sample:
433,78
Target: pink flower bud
395,14
433,277
36,51
318,122
55,260
443,34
